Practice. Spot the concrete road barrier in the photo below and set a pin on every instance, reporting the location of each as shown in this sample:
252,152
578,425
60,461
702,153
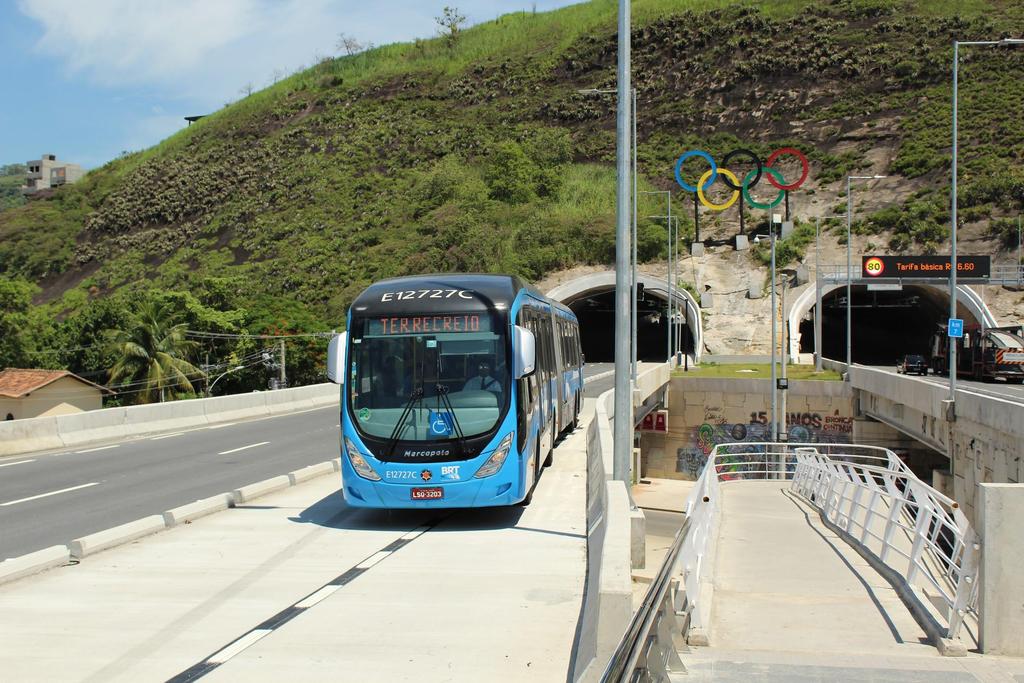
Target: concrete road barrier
92,426
200,508
47,558
307,473
119,535
32,434
261,488
162,417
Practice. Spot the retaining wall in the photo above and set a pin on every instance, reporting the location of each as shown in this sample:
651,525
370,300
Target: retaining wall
115,424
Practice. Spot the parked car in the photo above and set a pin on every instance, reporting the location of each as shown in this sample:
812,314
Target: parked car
912,364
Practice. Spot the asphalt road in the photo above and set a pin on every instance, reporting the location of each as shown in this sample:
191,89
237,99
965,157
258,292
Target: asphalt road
51,498
1000,389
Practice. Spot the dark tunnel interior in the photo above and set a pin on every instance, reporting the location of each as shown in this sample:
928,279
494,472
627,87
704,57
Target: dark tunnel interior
596,313
886,324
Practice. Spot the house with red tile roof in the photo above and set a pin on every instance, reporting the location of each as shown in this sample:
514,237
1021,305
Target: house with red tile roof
37,393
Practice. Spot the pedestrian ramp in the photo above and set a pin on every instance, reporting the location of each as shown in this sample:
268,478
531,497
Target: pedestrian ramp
805,563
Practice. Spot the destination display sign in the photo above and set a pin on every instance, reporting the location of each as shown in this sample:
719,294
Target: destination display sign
428,324
925,266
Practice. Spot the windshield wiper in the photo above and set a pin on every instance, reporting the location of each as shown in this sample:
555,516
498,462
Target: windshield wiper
416,395
442,392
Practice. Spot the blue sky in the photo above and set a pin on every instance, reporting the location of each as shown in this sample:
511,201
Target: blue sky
87,79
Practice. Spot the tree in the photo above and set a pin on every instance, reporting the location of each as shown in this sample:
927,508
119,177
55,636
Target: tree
246,89
15,302
450,25
153,351
349,45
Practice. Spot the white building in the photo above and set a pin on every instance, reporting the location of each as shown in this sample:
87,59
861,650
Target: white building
48,172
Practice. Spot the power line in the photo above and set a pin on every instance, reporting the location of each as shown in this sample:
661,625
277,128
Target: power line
224,335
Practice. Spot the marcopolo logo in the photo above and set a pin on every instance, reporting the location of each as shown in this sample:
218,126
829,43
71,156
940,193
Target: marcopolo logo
874,266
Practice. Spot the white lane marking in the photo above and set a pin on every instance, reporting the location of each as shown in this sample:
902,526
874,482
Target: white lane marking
373,559
20,462
166,436
101,448
319,596
234,648
242,448
415,533
226,424
51,493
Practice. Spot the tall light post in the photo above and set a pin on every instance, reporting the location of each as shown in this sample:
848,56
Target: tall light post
623,425
668,215
849,266
952,254
774,377
209,389
635,273
817,289
670,221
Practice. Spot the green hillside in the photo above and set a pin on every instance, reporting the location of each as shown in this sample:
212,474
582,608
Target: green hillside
276,211
12,177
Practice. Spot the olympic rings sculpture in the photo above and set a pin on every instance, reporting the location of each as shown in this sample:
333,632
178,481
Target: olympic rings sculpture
774,176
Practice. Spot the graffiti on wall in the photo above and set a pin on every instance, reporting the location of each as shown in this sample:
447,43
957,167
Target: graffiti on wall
807,427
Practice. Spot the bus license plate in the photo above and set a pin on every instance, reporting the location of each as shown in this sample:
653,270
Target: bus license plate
433,493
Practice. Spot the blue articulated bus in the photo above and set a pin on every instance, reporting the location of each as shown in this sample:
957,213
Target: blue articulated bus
454,390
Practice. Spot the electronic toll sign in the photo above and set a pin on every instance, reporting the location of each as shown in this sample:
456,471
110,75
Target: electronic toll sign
924,266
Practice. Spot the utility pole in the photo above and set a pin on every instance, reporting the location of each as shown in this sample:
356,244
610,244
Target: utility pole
623,424
282,378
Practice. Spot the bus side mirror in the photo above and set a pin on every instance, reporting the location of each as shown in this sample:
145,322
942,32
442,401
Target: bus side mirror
525,346
336,358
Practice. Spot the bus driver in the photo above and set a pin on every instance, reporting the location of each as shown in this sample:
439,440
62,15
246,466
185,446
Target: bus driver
483,381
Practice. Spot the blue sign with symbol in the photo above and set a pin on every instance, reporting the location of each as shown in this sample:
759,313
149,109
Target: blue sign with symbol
956,327
441,424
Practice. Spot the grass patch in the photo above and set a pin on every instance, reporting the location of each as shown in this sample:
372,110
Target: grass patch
757,371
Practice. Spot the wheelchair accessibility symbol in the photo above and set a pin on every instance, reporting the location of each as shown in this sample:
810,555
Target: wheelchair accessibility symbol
440,424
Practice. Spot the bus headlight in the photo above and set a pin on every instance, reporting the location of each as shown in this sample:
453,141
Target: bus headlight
359,464
497,458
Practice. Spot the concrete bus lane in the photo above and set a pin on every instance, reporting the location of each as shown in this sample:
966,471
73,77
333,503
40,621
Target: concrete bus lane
300,586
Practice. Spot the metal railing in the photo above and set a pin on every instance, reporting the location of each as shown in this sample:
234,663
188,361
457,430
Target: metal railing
906,524
865,490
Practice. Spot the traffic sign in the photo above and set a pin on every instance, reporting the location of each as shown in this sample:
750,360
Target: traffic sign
956,327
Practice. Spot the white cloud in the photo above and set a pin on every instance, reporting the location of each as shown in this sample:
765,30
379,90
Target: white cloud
204,50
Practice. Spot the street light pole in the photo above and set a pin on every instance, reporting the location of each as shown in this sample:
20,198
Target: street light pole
209,389
623,424
633,324
849,267
952,253
819,351
775,407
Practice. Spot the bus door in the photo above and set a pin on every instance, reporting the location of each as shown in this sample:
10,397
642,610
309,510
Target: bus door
558,356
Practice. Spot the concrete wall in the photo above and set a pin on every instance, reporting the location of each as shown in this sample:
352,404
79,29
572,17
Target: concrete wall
985,438
1001,590
613,532
705,411
62,397
114,424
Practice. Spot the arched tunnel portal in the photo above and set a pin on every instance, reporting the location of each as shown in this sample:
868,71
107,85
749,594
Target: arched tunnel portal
886,324
592,299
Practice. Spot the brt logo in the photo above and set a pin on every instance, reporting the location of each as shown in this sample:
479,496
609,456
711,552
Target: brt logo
874,266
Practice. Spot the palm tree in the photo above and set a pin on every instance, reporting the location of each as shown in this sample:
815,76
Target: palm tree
153,352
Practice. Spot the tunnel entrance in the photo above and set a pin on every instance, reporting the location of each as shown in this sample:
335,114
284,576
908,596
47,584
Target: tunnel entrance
596,313
886,324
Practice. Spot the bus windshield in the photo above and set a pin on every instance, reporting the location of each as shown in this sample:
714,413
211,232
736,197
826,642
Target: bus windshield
428,377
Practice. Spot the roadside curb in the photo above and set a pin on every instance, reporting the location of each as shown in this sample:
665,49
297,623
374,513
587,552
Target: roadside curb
15,568
600,375
119,535
47,558
200,508
261,488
